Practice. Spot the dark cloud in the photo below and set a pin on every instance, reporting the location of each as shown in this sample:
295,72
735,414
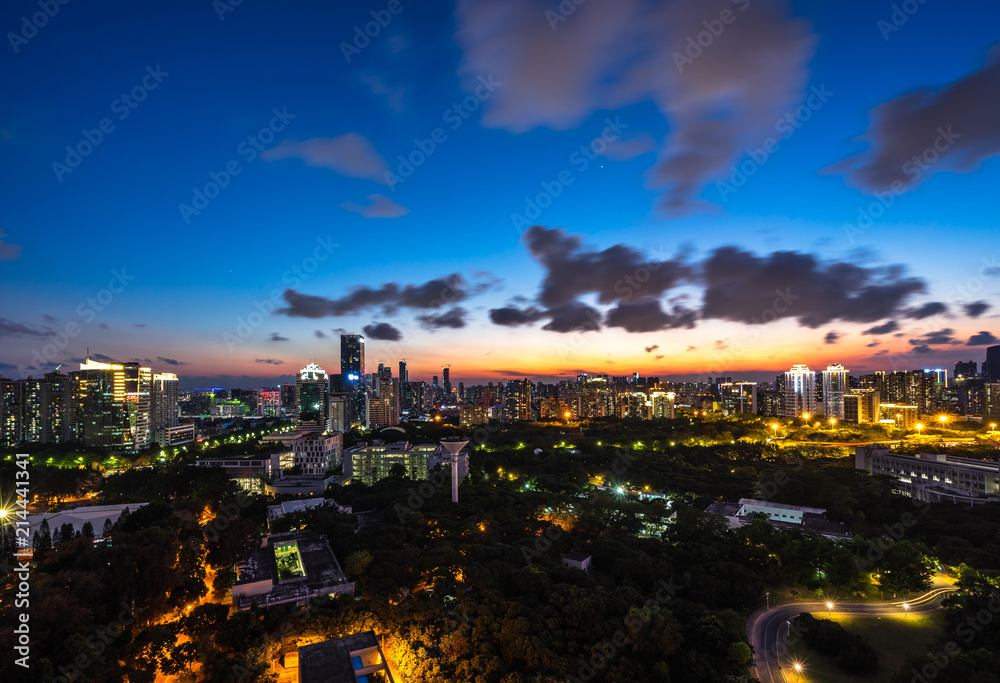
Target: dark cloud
832,337
982,339
743,287
960,119
921,350
453,318
389,297
632,51
319,334
617,273
276,337
382,332
48,318
647,316
884,328
660,357
511,316
935,338
573,317
169,361
926,310
269,361
103,326
101,358
976,308
138,324
654,347
351,155
378,206
9,328
874,343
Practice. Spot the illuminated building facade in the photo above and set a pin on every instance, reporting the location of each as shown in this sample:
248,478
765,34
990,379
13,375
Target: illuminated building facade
835,387
313,397
799,392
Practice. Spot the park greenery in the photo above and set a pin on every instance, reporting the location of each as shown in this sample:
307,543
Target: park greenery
477,591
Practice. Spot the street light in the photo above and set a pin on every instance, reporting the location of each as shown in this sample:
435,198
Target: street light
798,670
775,428
806,416
993,426
833,422
943,419
906,609
829,609
919,428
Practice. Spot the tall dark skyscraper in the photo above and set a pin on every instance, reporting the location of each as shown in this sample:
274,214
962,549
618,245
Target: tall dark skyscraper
352,371
446,372
966,369
991,368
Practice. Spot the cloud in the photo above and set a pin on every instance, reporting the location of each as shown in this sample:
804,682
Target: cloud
511,316
389,297
982,339
379,206
572,317
48,318
276,337
832,337
691,348
654,347
138,324
921,350
884,328
743,287
319,334
9,328
926,310
101,358
269,361
614,274
382,332
660,357
647,316
612,55
927,131
169,361
453,318
874,343
103,326
935,338
976,308
8,251
351,155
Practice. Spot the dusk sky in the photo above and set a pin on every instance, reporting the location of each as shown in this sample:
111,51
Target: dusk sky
682,189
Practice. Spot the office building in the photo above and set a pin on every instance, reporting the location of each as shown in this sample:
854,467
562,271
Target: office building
799,392
518,401
313,391
476,414
353,658
446,375
991,402
369,463
991,368
835,386
862,406
269,402
352,371
966,369
934,477
738,397
164,400
249,472
663,404
896,415
340,412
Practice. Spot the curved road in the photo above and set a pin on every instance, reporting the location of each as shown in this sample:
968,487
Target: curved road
766,628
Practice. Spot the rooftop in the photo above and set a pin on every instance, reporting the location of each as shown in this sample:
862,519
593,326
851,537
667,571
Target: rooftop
335,661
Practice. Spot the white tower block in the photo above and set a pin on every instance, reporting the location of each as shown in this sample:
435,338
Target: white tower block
454,445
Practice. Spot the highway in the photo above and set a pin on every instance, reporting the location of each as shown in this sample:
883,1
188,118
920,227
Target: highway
767,628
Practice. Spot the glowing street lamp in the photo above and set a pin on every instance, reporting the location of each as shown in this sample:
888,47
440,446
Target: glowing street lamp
829,609
806,416
906,609
833,422
993,426
775,428
919,428
943,419
798,670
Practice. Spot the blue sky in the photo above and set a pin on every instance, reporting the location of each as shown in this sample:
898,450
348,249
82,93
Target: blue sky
221,79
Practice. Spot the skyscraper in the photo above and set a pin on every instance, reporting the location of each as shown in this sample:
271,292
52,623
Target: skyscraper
800,392
991,368
835,386
966,369
446,374
352,371
313,391
164,400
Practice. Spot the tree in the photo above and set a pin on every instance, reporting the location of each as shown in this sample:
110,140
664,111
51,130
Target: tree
87,530
357,563
397,471
43,537
108,528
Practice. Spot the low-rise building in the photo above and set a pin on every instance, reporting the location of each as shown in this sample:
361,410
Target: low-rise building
291,567
356,658
250,472
934,477
174,436
896,415
780,515
291,507
581,561
97,515
369,463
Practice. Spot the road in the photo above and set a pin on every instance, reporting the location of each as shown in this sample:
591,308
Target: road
766,628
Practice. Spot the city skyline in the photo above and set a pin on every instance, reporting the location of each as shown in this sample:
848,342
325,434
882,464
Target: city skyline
464,210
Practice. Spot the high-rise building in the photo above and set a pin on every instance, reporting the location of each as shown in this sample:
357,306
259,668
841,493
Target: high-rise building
269,402
352,370
313,391
663,404
861,406
799,392
739,397
100,413
164,397
518,402
991,368
340,412
446,373
835,386
966,369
